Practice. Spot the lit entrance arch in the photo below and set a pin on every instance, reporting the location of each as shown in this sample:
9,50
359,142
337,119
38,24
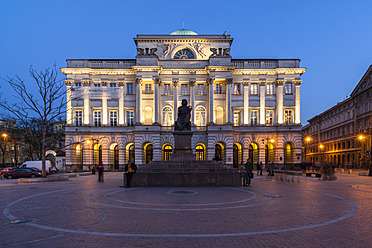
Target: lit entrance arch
219,151
148,150
130,153
97,157
200,151
269,153
253,153
77,157
114,156
167,151
237,155
289,153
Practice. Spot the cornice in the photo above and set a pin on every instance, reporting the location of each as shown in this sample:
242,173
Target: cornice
220,68
147,68
91,71
183,71
268,71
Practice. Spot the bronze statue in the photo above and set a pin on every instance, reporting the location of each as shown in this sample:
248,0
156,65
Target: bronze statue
183,117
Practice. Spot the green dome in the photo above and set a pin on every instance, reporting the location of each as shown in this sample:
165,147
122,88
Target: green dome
183,32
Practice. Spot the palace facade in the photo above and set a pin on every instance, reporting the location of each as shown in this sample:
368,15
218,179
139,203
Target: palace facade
120,109
343,134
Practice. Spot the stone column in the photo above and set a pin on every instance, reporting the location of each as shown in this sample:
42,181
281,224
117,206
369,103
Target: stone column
121,104
262,103
192,99
69,118
279,101
138,101
298,103
210,83
246,102
228,100
86,104
175,99
104,111
156,101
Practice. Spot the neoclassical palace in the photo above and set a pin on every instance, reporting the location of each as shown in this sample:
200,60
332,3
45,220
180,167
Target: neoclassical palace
120,109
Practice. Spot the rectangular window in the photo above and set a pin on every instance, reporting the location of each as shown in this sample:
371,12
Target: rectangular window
288,88
288,117
254,89
167,89
113,118
129,88
78,84
130,118
78,118
148,89
112,85
237,89
236,118
200,89
218,88
269,89
367,107
269,117
97,85
254,115
184,89
97,118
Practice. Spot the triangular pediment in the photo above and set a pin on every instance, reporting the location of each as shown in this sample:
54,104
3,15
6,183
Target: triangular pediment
365,83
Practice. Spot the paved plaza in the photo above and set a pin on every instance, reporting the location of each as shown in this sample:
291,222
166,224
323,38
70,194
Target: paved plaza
295,211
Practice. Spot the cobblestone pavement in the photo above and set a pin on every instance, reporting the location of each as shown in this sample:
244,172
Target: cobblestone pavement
292,211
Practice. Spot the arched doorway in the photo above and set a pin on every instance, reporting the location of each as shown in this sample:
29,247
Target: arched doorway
269,153
200,151
129,153
148,152
288,153
114,157
97,157
219,152
167,151
253,153
237,155
77,157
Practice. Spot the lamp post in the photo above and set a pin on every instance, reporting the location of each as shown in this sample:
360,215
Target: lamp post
321,146
4,135
307,141
361,138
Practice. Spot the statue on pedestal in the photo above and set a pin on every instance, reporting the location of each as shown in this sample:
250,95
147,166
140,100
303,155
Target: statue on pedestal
183,117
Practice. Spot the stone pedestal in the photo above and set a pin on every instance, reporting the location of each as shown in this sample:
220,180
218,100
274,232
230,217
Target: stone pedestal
182,150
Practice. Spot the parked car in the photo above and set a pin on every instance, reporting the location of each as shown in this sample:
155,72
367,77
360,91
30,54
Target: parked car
5,169
33,169
20,173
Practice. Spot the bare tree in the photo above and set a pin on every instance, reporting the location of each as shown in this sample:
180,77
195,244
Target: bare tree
43,99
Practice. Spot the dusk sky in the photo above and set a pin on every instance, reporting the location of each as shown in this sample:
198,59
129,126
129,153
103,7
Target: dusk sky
333,39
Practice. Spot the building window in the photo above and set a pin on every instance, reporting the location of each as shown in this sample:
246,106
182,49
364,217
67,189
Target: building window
78,118
218,88
167,116
148,89
130,118
167,89
184,54
254,115
269,89
129,88
97,85
200,89
288,117
269,117
97,118
237,89
367,107
200,116
288,88
112,85
184,89
113,118
78,84
237,118
254,89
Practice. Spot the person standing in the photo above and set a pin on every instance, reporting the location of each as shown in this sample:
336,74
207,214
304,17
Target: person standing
100,173
130,169
259,168
248,172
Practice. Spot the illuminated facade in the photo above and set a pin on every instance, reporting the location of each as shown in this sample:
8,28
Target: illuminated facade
343,134
124,108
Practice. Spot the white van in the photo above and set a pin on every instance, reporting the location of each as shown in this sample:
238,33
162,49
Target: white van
37,164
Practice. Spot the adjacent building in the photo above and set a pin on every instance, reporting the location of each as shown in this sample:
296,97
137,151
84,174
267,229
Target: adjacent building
120,109
342,134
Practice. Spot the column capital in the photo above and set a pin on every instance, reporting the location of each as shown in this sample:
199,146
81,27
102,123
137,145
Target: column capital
262,83
229,80
156,80
175,82
297,82
192,82
210,81
279,82
139,80
69,82
86,82
104,83
120,83
245,82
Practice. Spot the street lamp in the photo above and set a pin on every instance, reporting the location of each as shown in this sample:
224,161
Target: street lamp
307,141
4,135
321,146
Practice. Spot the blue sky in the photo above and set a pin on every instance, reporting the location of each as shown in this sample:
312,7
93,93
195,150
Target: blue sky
332,38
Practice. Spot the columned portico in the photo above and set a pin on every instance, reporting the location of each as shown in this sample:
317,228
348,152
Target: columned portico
210,83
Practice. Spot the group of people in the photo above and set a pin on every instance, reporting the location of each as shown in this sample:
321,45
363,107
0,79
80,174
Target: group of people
129,169
246,171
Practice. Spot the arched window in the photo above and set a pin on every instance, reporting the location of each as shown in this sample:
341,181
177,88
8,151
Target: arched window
97,154
130,153
114,157
219,152
200,116
167,116
167,151
253,153
148,153
288,153
269,153
200,152
237,155
184,54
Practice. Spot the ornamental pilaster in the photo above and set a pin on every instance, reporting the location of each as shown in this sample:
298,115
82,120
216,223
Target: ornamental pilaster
246,101
279,101
210,82
156,99
175,83
192,99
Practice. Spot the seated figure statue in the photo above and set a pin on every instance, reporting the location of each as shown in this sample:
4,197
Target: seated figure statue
183,117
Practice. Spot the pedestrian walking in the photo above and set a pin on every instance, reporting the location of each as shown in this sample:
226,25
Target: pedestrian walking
248,172
242,173
259,168
129,170
100,170
270,169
